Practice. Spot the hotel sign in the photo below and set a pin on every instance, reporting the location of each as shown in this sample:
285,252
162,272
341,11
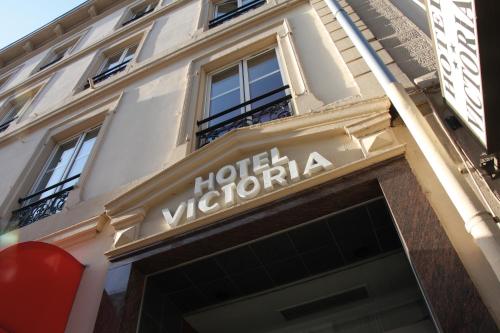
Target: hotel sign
244,180
455,34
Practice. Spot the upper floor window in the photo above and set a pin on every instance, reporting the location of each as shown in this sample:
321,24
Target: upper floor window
57,53
55,56
58,177
16,105
228,9
11,111
139,11
113,64
248,92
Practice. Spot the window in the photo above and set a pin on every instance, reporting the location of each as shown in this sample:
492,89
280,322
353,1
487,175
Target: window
11,112
226,10
55,56
248,92
57,178
138,12
113,64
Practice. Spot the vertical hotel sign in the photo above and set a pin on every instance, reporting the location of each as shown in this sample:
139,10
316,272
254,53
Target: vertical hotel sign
453,25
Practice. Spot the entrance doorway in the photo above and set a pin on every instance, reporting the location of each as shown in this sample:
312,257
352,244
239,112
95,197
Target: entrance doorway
342,272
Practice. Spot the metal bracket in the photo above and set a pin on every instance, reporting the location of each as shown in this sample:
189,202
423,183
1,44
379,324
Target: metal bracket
490,163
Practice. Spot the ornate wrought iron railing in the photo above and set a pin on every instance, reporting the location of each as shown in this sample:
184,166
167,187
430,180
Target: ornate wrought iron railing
238,11
33,211
106,74
278,108
138,16
5,124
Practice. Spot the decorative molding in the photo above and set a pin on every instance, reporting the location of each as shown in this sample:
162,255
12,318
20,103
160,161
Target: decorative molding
28,47
127,226
58,30
78,232
92,11
128,219
377,141
368,125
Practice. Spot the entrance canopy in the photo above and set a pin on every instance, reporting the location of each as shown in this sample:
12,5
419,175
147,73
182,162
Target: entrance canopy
38,283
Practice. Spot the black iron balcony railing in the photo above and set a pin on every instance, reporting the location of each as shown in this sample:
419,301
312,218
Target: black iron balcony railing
278,108
106,74
51,62
5,124
37,210
238,11
138,16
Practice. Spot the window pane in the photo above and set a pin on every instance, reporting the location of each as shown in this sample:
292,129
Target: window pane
225,93
56,168
262,86
262,65
82,157
225,81
111,62
223,103
130,53
11,113
225,7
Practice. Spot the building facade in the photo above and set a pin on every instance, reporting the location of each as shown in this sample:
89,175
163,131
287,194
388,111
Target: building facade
237,166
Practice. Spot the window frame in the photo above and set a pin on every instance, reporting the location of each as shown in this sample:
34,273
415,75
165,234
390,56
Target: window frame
54,57
95,70
132,16
127,17
243,81
123,53
218,3
68,46
81,137
213,9
27,97
11,105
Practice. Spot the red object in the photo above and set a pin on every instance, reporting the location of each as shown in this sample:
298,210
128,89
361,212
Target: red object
38,283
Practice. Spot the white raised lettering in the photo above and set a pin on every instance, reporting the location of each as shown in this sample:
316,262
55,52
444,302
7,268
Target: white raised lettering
191,211
248,188
200,184
274,175
260,163
226,175
173,221
243,167
276,159
205,202
294,171
229,197
316,163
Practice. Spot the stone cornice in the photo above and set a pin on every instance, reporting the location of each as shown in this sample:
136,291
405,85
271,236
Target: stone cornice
78,232
49,34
